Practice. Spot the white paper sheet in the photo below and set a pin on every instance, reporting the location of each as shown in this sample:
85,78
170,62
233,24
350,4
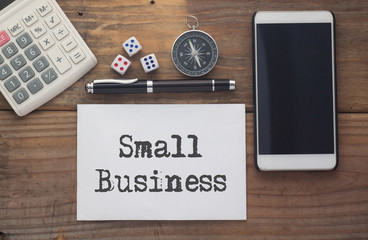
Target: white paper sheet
196,169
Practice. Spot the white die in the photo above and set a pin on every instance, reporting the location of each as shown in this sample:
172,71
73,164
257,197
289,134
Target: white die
120,64
132,46
149,63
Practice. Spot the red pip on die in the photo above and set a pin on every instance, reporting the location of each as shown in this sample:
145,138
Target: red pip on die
120,64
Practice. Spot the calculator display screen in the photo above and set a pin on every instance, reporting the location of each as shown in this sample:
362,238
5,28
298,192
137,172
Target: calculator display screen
5,3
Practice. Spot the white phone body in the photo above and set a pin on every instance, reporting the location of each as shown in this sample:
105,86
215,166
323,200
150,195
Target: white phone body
294,91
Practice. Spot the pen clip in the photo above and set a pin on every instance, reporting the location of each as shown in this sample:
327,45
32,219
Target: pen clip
118,81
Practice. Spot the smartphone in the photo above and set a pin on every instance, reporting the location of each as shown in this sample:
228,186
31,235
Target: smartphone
294,91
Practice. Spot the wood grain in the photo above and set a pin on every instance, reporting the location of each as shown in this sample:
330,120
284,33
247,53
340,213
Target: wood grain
38,190
38,152
105,25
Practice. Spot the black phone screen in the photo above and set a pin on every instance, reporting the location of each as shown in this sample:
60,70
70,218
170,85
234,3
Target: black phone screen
5,3
295,68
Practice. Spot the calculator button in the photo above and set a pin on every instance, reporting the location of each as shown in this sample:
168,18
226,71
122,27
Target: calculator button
5,72
12,84
18,62
47,42
77,56
1,59
69,44
20,96
35,85
38,30
49,75
4,38
10,50
52,21
16,29
61,32
30,18
41,64
24,40
60,61
44,9
32,52
26,74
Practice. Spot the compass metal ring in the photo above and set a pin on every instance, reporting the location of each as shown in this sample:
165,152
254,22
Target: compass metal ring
193,26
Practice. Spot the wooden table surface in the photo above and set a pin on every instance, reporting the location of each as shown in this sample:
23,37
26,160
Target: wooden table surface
38,152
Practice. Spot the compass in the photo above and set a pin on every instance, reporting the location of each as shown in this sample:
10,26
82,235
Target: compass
194,52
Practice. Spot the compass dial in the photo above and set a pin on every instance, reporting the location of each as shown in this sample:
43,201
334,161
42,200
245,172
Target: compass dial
194,53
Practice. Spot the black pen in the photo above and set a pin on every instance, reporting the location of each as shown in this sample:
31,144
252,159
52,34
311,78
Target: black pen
151,86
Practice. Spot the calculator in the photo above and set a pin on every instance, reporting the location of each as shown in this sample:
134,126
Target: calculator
41,53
